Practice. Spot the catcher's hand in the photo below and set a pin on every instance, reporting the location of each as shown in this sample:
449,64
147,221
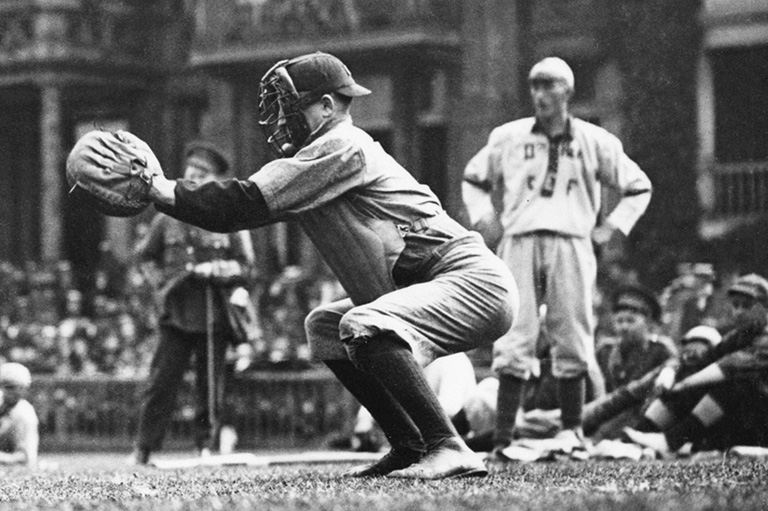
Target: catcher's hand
112,172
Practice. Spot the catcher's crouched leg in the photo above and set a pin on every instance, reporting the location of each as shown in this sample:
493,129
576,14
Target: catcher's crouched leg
112,172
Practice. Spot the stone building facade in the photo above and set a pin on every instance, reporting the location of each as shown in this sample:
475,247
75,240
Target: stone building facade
682,85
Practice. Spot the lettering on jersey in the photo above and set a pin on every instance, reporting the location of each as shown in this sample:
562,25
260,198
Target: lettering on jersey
529,152
530,181
572,183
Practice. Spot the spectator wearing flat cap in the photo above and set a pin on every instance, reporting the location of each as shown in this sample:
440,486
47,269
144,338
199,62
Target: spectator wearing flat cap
204,277
730,391
636,347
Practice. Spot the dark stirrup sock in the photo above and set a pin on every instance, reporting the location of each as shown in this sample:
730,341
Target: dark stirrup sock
390,361
687,430
646,425
507,404
570,392
397,426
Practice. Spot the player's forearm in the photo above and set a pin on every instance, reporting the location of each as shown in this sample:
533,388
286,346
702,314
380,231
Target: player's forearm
477,201
629,210
219,206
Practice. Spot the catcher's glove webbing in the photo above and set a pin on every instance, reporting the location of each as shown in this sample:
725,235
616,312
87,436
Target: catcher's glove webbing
112,172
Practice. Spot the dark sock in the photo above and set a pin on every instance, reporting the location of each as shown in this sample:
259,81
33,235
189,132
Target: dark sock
570,392
507,403
461,422
687,430
391,362
647,425
398,427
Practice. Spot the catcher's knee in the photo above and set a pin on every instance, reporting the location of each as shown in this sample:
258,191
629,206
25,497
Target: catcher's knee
362,350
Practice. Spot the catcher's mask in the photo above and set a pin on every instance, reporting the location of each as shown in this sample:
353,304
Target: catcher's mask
292,85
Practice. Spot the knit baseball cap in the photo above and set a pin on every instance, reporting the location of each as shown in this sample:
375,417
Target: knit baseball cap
752,285
322,73
552,68
15,374
705,333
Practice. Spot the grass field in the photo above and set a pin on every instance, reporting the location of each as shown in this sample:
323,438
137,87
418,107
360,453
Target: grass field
104,482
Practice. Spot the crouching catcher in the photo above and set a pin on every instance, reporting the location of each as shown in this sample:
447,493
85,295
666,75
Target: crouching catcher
419,285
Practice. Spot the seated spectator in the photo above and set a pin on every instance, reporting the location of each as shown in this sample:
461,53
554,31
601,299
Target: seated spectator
19,436
726,402
636,347
695,345
480,406
691,299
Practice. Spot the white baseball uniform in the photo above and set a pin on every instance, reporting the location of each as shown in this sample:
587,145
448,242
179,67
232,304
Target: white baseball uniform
551,202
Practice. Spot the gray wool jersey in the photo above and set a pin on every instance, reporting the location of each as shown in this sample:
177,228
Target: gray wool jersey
356,204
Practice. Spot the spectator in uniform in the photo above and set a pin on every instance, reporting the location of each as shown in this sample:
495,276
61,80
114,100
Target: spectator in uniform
636,347
196,265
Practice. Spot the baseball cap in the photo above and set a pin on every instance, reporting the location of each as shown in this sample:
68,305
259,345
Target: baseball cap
15,374
552,68
637,299
752,285
705,333
322,73
206,156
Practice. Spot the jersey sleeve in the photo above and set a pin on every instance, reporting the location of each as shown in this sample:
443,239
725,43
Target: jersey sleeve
316,175
617,170
478,185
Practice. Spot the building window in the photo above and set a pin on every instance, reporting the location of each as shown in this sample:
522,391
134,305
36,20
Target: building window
741,103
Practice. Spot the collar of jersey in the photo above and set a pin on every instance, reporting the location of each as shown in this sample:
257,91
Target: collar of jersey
566,135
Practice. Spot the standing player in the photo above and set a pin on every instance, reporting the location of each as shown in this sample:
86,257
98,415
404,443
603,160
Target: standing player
550,169
19,435
420,285
196,265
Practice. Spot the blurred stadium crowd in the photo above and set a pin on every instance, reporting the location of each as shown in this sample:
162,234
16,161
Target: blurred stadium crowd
53,328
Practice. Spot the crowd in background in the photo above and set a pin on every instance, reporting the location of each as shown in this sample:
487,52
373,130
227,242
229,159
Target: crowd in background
53,328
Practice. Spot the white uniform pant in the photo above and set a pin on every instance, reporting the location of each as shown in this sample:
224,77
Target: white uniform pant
559,271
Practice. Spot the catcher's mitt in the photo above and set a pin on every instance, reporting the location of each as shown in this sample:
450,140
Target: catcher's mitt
112,172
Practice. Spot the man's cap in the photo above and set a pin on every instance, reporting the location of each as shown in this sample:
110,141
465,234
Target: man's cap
322,73
637,299
705,333
14,373
552,68
752,285
206,156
